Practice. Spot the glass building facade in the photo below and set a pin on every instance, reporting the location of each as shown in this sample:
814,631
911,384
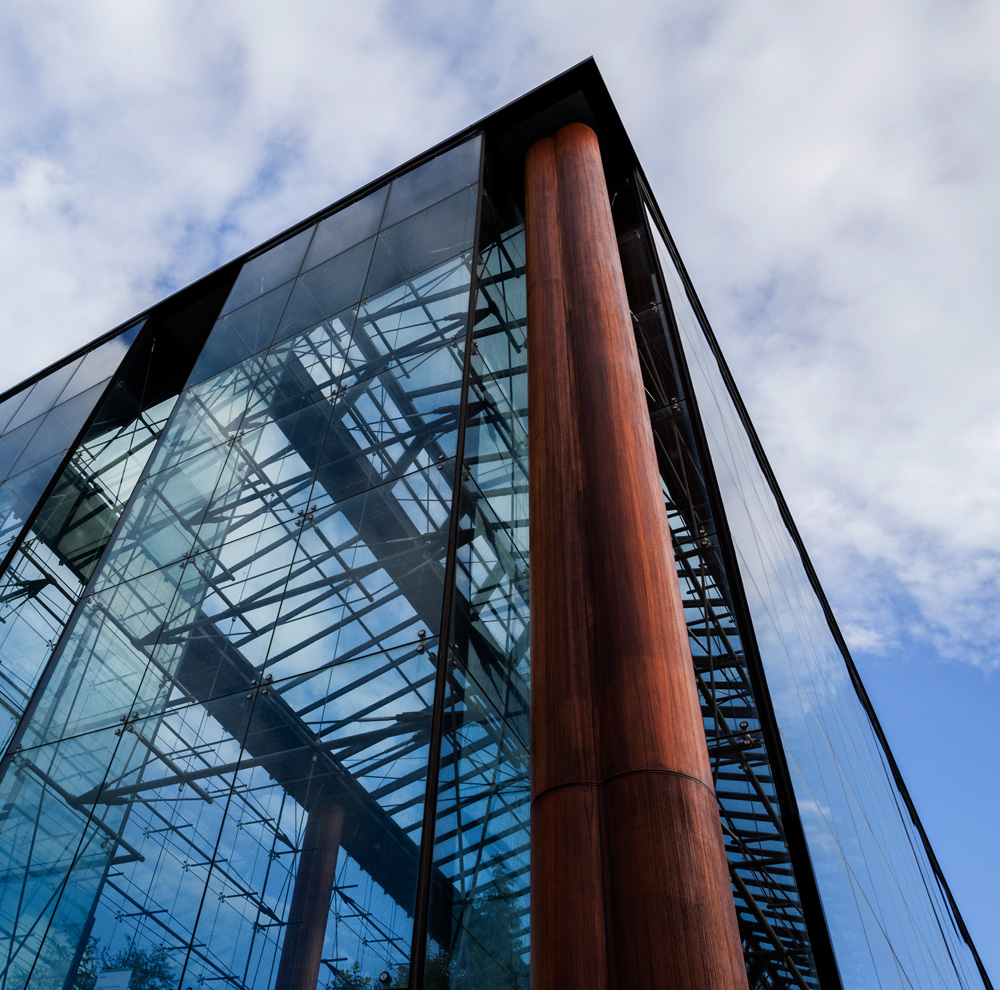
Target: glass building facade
264,657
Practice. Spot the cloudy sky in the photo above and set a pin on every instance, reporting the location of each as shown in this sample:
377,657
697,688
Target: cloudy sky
829,170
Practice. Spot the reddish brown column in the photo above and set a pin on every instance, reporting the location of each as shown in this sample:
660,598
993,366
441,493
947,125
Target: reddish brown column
628,866
567,886
302,948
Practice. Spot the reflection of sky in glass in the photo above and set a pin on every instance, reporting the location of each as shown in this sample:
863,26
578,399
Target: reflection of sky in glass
481,841
262,633
37,590
888,919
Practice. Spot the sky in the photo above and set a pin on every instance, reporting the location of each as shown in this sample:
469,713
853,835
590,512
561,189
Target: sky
829,172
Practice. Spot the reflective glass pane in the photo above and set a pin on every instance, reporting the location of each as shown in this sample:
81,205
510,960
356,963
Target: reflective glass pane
10,406
490,626
327,289
59,428
433,181
55,851
478,936
888,919
253,661
383,427
157,811
268,270
241,332
13,444
368,572
500,357
423,241
46,577
328,803
497,460
208,413
347,227
19,495
101,363
44,394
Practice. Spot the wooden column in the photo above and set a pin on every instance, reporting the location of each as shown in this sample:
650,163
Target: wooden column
302,948
567,885
630,886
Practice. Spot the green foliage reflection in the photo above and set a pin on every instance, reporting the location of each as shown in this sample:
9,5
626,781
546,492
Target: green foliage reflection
151,969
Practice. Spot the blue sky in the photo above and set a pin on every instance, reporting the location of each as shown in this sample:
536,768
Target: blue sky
830,173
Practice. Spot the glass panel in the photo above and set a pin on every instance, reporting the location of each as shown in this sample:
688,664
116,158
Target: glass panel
35,602
158,811
19,495
46,577
327,289
30,454
490,628
102,362
347,227
44,394
255,656
433,181
268,270
208,413
384,427
368,572
478,935
240,333
10,406
500,357
887,916
55,851
253,479
423,241
334,762
13,444
425,313
305,368
59,428
497,460
479,930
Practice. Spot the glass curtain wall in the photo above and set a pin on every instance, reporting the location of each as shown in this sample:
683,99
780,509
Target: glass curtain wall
481,847
778,945
39,428
888,916
225,766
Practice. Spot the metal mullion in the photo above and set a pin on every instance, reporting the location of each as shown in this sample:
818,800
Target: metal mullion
418,946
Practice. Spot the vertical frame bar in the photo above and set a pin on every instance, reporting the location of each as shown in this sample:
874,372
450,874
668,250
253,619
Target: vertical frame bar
425,868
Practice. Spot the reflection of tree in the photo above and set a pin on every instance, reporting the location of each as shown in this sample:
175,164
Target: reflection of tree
439,971
487,954
52,964
489,957
350,979
86,973
151,969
